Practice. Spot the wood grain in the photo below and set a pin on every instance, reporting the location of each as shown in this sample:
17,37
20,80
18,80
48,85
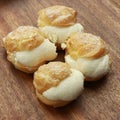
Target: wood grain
99,101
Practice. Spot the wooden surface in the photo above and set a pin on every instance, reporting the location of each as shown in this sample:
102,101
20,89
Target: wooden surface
99,100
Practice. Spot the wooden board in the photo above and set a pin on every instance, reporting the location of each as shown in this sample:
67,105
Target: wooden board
99,101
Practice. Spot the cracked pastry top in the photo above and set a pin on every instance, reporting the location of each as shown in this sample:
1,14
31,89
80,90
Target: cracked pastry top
57,16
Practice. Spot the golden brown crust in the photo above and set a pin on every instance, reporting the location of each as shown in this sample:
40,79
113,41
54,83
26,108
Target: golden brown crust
50,75
23,38
85,45
56,103
57,16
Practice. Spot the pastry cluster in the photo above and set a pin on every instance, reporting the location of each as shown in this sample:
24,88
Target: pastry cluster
57,83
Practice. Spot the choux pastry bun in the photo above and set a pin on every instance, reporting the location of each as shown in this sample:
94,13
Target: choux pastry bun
58,22
27,48
88,54
57,84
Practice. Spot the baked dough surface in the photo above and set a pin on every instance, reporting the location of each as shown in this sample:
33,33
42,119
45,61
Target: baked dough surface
23,38
56,16
85,45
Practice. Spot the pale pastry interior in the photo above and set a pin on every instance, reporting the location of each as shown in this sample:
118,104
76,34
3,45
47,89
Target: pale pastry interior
59,35
93,69
68,89
56,103
39,54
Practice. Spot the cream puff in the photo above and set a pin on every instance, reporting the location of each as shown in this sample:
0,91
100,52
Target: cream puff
88,54
57,84
58,22
27,48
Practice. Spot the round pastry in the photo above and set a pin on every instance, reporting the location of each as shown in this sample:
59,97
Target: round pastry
58,22
57,84
28,48
89,54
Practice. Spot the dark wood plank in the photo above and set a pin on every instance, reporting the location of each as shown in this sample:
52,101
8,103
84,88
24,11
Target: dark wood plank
99,101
